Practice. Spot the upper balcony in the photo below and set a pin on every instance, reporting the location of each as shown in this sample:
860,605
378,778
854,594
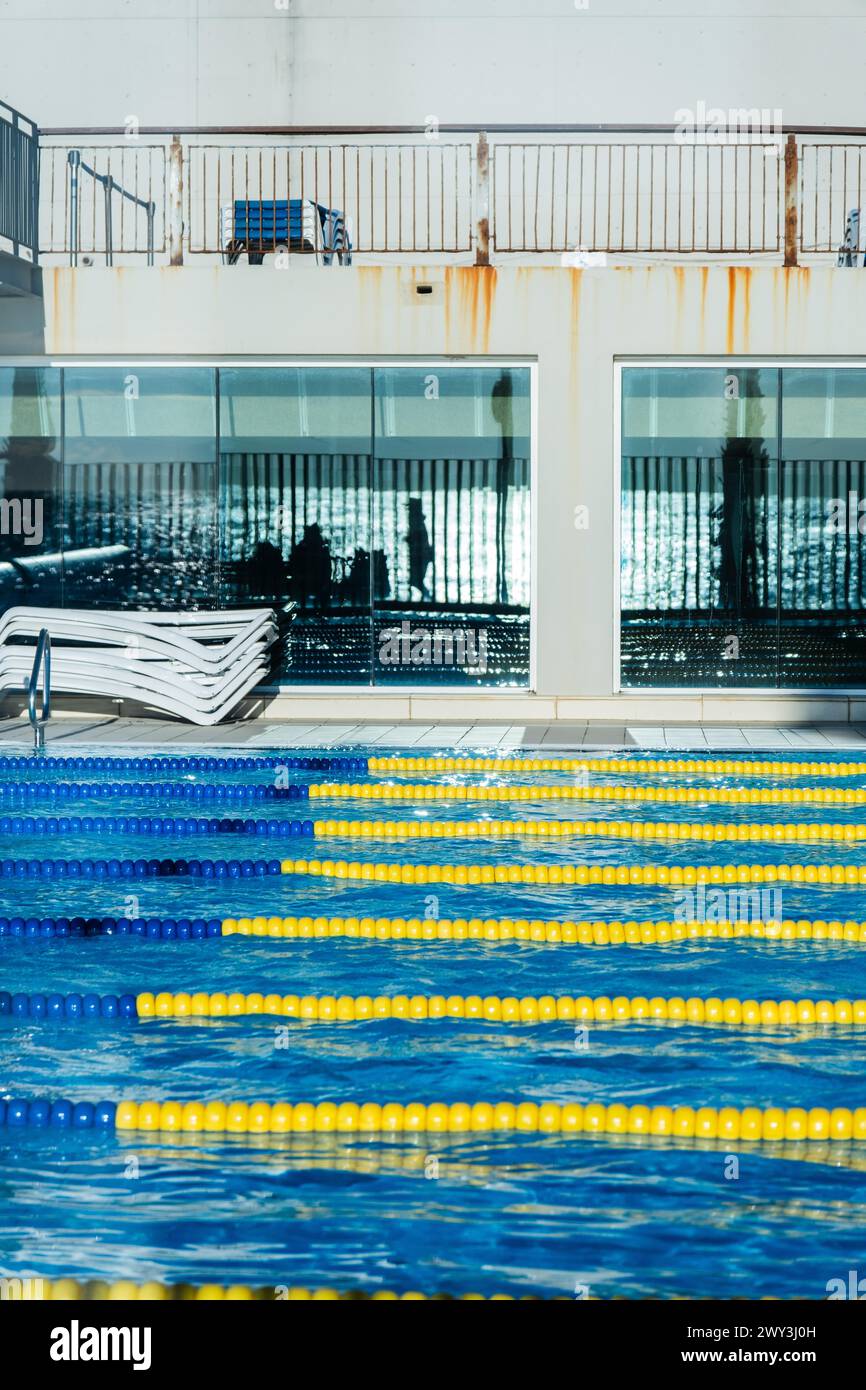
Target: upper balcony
19,203
449,194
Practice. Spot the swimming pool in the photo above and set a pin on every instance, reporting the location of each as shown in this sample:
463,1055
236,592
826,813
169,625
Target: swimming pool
158,955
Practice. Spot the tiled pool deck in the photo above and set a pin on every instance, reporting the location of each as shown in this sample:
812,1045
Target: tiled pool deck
139,733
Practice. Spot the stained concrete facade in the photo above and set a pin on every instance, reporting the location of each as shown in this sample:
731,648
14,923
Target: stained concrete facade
574,327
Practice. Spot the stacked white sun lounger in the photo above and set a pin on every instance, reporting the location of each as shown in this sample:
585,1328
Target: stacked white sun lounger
197,666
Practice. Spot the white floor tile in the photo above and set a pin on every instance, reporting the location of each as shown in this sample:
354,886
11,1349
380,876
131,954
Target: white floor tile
806,738
724,737
645,736
329,735
407,736
844,737
484,736
439,735
684,736
514,737
68,731
281,735
364,733
765,738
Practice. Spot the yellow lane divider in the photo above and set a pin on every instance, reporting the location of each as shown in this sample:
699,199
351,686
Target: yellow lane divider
727,767
548,1117
535,931
648,875
791,832
494,1008
719,796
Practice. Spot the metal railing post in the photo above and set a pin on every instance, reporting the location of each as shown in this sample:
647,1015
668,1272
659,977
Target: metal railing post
482,200
108,184
34,192
791,200
175,201
74,159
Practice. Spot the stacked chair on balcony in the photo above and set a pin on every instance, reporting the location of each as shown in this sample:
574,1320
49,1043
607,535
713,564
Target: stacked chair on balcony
197,666
259,226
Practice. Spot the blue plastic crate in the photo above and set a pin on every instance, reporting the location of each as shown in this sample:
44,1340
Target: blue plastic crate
258,225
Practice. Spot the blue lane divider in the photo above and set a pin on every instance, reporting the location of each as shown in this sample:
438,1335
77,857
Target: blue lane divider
59,1114
151,825
67,1005
138,868
147,929
17,792
180,764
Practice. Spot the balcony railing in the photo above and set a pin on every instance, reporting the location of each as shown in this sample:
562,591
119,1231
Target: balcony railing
19,184
458,194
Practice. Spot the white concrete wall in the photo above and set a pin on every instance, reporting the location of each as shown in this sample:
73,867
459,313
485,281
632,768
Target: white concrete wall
575,325
251,62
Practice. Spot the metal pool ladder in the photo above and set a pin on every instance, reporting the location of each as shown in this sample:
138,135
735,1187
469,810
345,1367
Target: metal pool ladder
41,660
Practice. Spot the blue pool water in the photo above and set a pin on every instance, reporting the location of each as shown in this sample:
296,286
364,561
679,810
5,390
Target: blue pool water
491,1213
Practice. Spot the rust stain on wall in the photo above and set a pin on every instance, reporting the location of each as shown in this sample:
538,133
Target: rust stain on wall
679,291
62,311
573,348
739,287
787,283
732,306
469,295
747,305
796,277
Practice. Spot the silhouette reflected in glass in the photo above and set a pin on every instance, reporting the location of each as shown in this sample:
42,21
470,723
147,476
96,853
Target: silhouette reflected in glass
420,549
310,569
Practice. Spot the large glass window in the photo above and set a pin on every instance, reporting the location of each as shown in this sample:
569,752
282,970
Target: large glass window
391,506
140,485
741,555
384,513
822,521
451,526
295,451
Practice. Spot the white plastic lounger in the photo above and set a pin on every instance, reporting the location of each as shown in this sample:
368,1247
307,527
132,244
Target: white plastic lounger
199,638
197,666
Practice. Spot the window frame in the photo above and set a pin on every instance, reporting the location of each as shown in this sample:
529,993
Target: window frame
381,691
674,363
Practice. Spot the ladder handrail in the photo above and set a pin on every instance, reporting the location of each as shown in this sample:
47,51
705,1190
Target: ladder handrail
110,185
42,660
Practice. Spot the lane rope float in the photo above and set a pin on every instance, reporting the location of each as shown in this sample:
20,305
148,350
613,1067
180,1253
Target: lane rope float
30,1288
16,793
438,930
138,868
749,1013
49,765
494,1008
721,796
711,832
726,767
581,933
152,929
324,763
609,875
154,825
751,1123
38,794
